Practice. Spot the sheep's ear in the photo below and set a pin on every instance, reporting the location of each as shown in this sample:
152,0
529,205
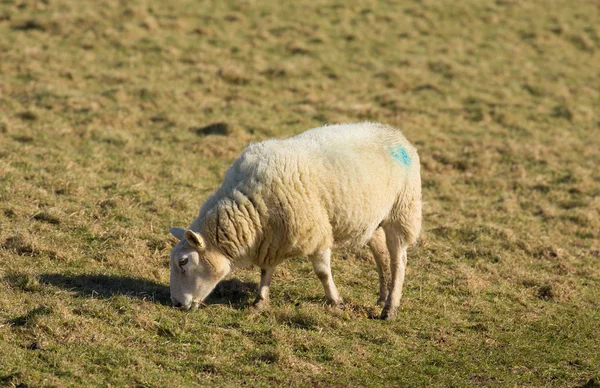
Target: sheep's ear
194,238
178,233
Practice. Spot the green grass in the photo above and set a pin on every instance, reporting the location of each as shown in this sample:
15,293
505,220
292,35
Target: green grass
104,145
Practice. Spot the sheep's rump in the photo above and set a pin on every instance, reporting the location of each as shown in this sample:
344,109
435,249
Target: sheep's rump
333,183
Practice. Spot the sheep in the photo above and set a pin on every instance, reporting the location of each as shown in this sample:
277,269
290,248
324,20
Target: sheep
346,184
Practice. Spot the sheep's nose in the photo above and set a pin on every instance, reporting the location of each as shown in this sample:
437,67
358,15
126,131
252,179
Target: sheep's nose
176,304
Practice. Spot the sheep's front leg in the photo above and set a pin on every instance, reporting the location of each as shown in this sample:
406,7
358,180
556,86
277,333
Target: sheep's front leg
321,262
398,260
262,299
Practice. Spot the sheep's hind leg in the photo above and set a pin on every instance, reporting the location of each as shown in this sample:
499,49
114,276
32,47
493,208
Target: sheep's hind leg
262,299
321,262
397,249
382,259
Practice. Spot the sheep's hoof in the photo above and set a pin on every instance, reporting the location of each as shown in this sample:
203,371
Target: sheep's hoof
388,313
260,304
336,303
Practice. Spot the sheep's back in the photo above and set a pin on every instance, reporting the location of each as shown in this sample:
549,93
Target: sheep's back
331,183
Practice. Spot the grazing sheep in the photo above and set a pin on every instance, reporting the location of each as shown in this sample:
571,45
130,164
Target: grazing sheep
350,184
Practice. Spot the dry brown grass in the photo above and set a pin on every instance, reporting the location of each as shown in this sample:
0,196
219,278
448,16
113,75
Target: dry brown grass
117,119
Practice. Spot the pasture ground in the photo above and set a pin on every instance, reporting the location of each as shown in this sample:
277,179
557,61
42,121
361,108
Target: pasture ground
118,118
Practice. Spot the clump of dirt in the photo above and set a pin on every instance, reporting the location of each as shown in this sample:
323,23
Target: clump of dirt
19,245
25,282
545,292
221,129
45,217
591,383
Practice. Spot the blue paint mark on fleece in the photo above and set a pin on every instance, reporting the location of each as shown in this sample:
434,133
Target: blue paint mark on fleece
399,153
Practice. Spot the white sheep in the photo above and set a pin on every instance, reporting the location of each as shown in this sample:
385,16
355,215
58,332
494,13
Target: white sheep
345,184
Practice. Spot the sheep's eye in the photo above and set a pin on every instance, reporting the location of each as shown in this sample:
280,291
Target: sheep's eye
183,261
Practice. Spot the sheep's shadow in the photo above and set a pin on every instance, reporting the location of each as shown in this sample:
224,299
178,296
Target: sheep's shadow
232,292
235,293
107,286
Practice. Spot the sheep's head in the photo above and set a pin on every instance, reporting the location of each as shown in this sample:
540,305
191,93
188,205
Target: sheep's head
195,269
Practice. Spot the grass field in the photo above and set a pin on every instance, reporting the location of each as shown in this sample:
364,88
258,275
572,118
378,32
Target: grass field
118,118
